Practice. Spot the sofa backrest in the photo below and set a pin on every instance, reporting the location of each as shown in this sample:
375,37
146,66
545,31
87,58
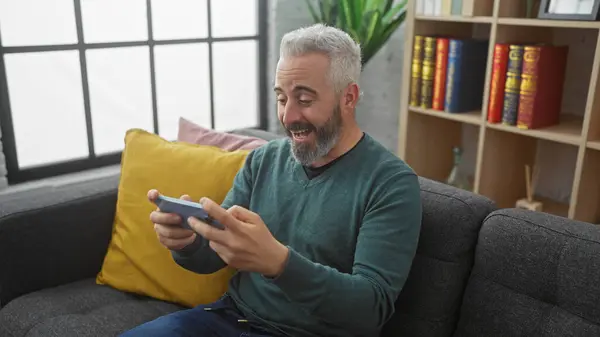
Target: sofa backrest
430,301
535,274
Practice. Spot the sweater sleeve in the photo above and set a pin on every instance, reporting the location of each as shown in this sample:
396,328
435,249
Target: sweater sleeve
363,301
198,256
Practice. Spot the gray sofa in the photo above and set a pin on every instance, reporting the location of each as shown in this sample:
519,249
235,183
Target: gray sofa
479,271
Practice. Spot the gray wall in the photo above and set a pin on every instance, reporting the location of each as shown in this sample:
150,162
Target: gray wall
378,111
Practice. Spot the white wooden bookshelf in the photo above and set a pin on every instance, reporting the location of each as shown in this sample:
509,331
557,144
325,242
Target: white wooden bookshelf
501,152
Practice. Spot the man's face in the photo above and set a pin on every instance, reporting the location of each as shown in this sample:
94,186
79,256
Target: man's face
307,106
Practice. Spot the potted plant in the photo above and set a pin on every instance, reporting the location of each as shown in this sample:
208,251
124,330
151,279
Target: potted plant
369,22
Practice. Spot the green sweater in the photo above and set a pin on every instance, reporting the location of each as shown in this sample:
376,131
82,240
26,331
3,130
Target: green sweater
352,232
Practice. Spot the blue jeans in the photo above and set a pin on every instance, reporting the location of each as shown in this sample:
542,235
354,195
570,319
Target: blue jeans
221,319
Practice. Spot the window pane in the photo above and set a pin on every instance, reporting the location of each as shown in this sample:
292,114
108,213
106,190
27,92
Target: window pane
37,22
234,18
47,107
114,20
182,86
120,94
235,100
179,19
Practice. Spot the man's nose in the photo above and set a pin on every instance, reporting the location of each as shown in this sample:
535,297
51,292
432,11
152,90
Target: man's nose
290,114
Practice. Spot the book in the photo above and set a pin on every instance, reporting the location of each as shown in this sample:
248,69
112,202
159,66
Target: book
542,83
420,7
468,7
429,7
417,66
441,67
446,7
428,71
510,105
437,7
456,7
497,83
465,78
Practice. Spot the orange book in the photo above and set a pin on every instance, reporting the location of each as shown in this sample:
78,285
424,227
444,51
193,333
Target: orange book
497,83
542,83
441,67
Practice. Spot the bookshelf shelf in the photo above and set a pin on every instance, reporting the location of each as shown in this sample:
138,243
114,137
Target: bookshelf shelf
548,23
594,145
566,153
567,132
456,18
473,117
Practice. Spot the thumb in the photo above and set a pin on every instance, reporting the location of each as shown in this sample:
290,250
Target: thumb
186,197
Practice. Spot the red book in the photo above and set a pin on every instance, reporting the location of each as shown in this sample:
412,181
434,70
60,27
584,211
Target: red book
497,82
441,66
542,83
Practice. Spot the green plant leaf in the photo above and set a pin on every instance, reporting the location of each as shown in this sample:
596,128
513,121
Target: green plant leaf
357,9
388,5
369,22
371,5
391,28
391,14
345,10
382,39
373,26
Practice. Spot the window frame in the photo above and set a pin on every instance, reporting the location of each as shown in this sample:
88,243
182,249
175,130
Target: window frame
16,175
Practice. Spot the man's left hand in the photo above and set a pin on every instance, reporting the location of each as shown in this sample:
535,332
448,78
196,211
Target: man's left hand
246,243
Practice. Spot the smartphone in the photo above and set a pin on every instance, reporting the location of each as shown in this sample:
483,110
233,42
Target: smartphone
185,209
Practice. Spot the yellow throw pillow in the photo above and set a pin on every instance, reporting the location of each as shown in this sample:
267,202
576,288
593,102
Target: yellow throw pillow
136,261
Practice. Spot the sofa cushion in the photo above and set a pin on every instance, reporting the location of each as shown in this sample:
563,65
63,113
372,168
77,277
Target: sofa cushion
83,308
136,261
193,133
430,301
535,274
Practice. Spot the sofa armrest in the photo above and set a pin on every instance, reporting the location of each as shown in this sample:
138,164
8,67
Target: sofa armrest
55,236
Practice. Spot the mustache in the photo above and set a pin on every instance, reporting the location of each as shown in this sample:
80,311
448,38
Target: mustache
300,126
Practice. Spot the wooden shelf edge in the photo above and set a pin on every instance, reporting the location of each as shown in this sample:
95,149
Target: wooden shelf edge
456,18
549,23
594,144
567,132
473,118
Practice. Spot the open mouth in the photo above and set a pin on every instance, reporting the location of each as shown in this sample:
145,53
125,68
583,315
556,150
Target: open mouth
300,134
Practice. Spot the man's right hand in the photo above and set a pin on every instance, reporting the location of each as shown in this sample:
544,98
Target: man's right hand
167,226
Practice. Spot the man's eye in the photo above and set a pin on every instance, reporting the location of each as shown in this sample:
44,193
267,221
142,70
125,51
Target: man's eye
305,101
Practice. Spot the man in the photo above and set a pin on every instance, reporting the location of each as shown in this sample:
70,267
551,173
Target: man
322,225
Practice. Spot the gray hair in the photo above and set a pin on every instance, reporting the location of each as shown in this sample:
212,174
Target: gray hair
344,53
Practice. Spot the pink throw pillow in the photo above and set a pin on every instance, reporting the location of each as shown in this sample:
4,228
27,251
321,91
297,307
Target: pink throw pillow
191,132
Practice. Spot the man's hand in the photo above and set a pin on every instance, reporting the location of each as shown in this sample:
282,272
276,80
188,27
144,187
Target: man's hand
246,243
167,226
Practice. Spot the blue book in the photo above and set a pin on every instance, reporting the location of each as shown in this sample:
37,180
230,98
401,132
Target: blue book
465,81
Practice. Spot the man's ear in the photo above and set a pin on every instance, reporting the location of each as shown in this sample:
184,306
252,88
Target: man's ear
351,96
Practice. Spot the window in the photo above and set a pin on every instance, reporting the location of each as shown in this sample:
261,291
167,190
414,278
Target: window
76,74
